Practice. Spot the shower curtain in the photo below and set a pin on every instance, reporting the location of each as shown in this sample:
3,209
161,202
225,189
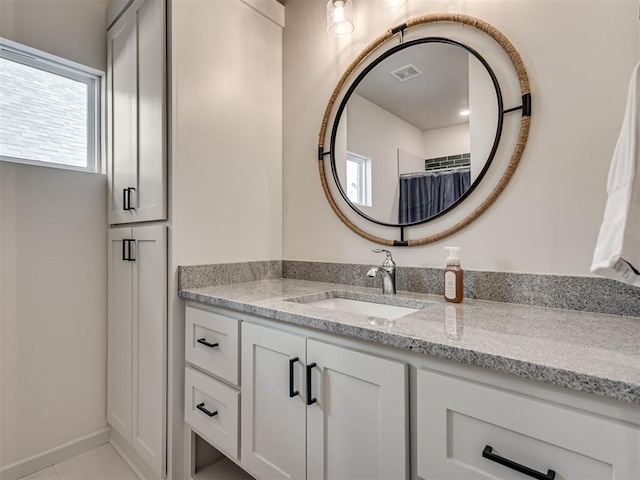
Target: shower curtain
423,196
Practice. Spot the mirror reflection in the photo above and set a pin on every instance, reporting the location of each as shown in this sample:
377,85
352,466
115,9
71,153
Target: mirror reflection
416,133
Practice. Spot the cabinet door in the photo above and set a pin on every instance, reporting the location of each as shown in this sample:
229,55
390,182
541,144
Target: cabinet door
119,346
273,422
357,428
121,115
458,419
149,340
149,199
136,150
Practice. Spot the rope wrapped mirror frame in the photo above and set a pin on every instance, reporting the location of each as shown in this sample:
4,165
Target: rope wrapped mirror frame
523,134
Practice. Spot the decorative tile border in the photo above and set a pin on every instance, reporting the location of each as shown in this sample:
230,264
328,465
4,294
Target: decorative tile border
590,294
462,160
195,276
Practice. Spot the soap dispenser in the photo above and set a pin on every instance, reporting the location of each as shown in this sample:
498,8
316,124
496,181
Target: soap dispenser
453,277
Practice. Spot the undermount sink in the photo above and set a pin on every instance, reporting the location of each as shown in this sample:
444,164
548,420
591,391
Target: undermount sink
364,308
382,306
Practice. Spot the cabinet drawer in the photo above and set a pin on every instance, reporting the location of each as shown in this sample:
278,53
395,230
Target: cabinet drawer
211,408
458,419
212,342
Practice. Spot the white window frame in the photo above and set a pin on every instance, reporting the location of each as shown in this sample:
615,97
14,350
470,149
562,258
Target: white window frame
364,187
75,71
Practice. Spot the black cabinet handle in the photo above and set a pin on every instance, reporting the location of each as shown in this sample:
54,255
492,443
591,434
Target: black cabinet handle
130,189
204,410
203,341
310,399
127,250
126,198
488,454
292,392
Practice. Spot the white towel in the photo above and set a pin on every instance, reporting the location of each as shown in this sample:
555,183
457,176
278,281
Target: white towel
617,252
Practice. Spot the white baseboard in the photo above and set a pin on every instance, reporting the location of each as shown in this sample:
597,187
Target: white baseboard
55,455
129,455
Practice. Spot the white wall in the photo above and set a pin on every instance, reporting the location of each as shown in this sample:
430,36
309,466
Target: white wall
72,29
579,56
442,142
227,133
377,134
53,264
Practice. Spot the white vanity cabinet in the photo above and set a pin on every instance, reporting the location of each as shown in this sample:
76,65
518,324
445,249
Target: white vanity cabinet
212,396
136,354
314,405
348,410
460,423
136,152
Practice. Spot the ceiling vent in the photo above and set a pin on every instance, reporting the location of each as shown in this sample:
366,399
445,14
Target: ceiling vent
406,73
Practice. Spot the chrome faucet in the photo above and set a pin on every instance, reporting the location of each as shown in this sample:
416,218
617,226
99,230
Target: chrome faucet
387,271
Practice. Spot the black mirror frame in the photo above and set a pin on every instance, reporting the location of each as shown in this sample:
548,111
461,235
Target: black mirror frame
363,74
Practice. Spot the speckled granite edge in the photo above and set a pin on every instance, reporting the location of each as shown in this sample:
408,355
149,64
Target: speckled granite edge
577,381
589,294
195,276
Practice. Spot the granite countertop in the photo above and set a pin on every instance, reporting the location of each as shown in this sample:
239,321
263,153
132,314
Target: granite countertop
589,352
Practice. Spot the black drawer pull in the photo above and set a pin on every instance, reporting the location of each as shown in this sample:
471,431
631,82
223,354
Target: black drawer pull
488,454
292,392
204,410
204,342
310,399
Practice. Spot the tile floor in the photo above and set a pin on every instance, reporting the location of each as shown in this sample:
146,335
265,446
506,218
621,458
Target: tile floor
101,463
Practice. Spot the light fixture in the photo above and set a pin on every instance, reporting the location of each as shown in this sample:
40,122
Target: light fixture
465,113
391,4
340,17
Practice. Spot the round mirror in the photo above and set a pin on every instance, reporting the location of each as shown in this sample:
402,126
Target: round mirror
416,131
412,129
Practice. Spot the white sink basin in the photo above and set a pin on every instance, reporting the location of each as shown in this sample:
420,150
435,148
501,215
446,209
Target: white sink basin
389,312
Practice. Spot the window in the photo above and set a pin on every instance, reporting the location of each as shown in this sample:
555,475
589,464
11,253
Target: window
359,179
49,109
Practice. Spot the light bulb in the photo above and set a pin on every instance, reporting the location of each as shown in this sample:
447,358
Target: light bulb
339,17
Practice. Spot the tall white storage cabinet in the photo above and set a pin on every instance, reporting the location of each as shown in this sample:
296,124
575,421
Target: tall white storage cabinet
136,151
137,319
137,171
